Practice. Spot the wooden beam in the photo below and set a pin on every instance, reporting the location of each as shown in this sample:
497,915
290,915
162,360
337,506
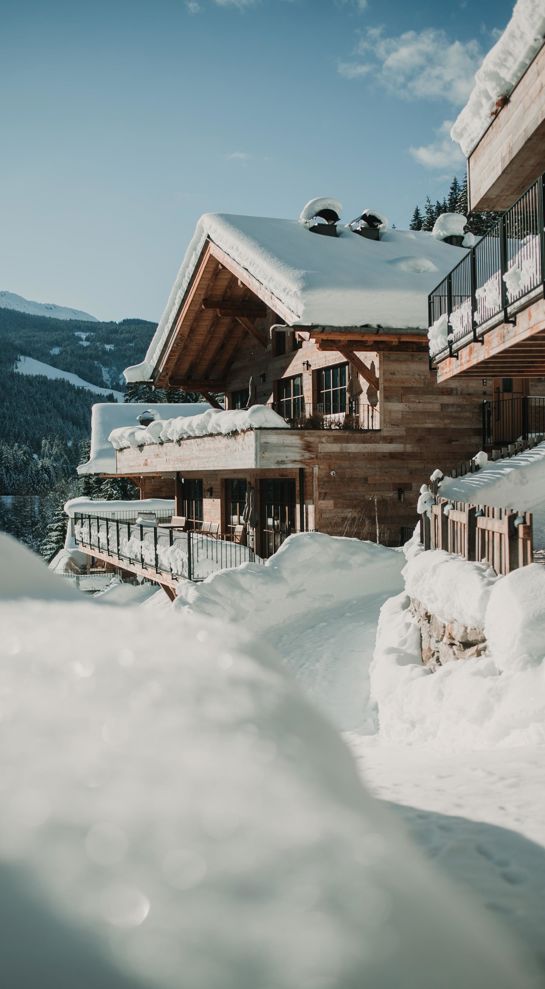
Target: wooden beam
355,337
258,335
236,307
369,376
212,400
245,278
378,345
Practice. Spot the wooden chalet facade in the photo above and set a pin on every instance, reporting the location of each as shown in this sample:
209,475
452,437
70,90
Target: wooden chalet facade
491,305
367,420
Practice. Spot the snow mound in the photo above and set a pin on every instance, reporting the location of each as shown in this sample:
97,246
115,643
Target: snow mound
23,574
449,587
500,72
174,813
515,619
449,225
328,591
210,423
494,701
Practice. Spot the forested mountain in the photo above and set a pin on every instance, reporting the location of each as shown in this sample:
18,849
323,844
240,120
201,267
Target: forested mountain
97,352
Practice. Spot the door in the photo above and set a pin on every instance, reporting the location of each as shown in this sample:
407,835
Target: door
277,512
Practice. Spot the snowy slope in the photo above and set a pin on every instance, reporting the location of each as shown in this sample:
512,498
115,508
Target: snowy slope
9,300
28,365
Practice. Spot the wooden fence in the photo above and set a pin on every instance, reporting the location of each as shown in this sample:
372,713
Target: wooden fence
499,536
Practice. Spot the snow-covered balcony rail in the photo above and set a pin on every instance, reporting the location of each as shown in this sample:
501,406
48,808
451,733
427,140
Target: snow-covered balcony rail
496,278
502,537
156,550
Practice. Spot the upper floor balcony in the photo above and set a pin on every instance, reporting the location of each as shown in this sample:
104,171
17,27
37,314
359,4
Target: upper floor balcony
487,317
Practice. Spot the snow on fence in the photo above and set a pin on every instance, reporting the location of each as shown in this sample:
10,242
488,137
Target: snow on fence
160,549
500,537
502,269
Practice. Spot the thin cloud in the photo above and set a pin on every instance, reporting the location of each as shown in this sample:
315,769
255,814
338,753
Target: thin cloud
242,156
441,153
417,64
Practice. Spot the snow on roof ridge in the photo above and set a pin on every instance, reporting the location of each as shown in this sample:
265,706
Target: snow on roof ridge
341,281
501,70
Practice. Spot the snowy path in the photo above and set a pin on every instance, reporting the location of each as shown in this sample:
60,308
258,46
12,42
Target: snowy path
480,815
323,650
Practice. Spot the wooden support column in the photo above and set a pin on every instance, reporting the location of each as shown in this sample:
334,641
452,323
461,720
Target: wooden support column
178,495
212,400
361,367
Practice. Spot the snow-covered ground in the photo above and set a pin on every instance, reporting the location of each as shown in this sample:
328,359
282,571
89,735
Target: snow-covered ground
29,365
172,804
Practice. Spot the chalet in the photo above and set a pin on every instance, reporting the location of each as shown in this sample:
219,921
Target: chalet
308,339
487,316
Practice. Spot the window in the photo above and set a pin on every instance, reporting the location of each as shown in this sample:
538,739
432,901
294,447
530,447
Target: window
277,512
192,494
331,390
235,501
238,399
289,397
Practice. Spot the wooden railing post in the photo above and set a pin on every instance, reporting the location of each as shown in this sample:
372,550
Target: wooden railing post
471,533
189,556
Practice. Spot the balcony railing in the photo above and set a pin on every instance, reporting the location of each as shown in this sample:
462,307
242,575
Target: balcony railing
158,549
493,280
351,414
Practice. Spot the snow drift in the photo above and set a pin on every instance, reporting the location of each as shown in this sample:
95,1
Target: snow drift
173,811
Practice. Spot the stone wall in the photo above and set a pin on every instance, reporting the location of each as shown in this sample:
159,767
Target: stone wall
443,642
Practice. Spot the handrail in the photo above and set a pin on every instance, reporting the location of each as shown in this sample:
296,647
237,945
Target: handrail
505,267
160,549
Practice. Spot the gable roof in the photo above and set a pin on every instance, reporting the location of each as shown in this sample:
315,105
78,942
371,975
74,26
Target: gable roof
311,280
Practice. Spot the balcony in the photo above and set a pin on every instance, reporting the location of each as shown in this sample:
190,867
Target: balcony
157,550
254,449
487,316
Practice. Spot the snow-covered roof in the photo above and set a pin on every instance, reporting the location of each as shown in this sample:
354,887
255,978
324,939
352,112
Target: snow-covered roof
106,416
500,71
345,281
210,423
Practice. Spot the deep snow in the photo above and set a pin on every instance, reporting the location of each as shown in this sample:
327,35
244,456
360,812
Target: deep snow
29,365
220,821
180,814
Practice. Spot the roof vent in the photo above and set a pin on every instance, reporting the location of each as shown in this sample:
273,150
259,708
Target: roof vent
369,224
321,216
451,228
145,418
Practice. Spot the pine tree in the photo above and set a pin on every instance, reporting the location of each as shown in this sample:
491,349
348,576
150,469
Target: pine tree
55,534
453,195
416,221
429,215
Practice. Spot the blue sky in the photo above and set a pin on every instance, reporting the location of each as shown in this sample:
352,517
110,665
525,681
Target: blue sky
124,120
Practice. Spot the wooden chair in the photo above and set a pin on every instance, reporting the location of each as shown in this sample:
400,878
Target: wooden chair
177,522
239,534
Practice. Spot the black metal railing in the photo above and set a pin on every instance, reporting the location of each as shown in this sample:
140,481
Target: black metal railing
350,414
160,549
492,280
507,419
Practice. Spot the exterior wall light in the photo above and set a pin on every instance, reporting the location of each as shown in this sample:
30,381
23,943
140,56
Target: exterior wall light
307,365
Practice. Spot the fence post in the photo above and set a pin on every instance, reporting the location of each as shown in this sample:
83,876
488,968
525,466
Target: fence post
471,533
141,545
449,312
155,549
108,537
443,526
189,556
511,543
525,417
117,546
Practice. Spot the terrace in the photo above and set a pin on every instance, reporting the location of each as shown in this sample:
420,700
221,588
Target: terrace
487,317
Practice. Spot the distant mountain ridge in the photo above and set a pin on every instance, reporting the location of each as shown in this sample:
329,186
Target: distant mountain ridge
95,351
10,300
